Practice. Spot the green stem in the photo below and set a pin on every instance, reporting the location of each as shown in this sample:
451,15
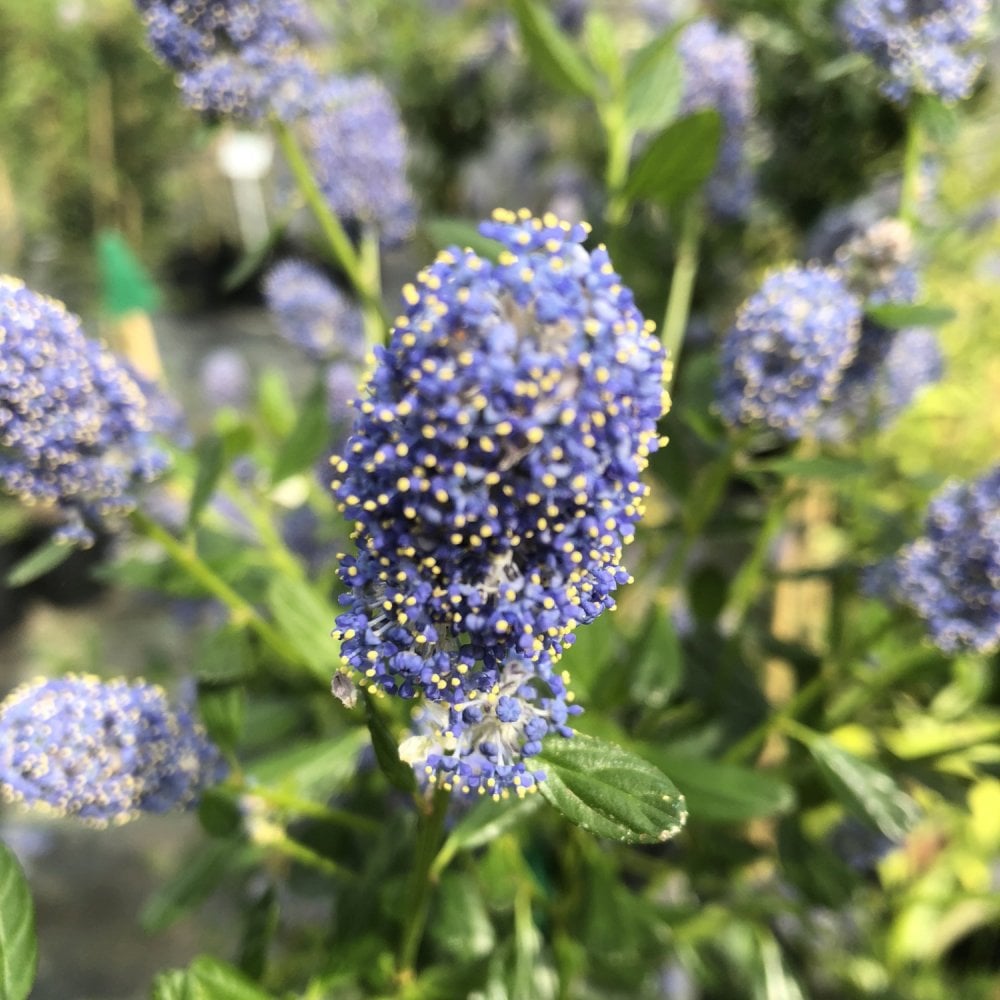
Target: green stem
304,807
259,515
338,240
909,192
371,270
782,719
619,140
284,844
242,613
675,317
429,835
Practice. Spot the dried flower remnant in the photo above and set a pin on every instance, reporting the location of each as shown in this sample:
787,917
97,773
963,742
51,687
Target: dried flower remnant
924,46
493,470
786,353
101,751
75,422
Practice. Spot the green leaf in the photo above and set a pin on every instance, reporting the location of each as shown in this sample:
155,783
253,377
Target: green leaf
308,438
207,979
306,619
260,923
255,257
274,400
224,656
898,316
654,83
550,51
817,467
210,454
659,668
446,232
602,45
484,822
313,769
195,880
219,813
386,748
44,559
939,120
222,709
18,947
865,790
610,792
720,792
926,737
678,161
461,922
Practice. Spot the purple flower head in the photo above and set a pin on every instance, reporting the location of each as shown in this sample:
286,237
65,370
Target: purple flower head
493,469
76,423
312,313
225,378
788,349
914,362
357,146
484,745
235,57
101,751
719,75
922,45
951,575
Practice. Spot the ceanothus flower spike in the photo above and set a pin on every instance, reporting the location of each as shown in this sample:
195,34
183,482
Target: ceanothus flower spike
101,751
493,469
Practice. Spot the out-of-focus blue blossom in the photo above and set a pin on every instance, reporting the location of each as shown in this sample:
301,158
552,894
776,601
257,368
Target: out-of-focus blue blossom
914,362
493,469
951,575
101,751
923,45
484,745
786,353
878,266
719,74
358,148
235,57
225,379
312,313
75,424
341,388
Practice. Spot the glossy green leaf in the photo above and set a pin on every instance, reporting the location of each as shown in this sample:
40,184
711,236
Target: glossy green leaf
18,947
654,83
678,161
210,455
306,619
551,53
38,563
864,789
721,792
609,791
897,317
308,438
386,747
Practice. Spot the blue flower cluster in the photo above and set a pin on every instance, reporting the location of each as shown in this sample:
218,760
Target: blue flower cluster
719,74
75,422
357,147
484,745
923,45
493,469
101,751
234,57
312,313
878,267
786,353
914,361
951,575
